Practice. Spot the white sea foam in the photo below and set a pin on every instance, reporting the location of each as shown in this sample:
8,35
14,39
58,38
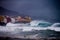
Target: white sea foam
23,27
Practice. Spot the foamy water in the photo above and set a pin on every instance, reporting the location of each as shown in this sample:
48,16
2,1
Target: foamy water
10,27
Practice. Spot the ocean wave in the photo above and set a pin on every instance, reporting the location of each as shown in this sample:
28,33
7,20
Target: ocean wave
40,23
34,25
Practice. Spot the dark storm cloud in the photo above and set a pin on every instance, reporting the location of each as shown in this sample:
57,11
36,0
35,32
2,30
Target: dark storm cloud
37,9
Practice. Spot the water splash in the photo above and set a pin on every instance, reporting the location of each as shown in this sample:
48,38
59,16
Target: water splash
34,25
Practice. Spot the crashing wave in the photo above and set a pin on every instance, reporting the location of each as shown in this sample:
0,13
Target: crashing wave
17,24
56,25
40,23
36,25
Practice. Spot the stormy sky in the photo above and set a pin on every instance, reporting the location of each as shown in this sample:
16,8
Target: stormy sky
48,10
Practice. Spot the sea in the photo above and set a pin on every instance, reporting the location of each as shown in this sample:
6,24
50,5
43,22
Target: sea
33,30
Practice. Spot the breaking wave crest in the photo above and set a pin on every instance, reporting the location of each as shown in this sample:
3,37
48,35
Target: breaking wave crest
46,25
35,25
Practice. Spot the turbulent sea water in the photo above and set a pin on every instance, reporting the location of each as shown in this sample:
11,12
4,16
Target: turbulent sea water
32,29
